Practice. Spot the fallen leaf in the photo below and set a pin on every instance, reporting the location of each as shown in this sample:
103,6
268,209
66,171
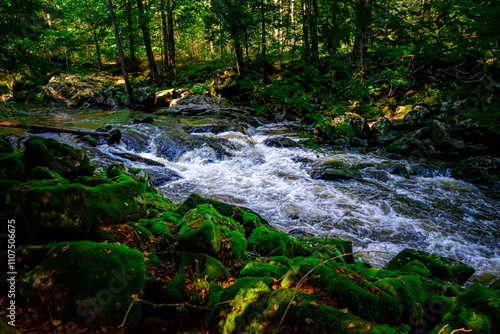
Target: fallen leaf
313,304
309,321
351,325
65,248
56,323
345,310
126,203
276,307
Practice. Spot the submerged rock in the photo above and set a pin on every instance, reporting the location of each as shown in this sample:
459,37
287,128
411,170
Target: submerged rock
334,170
280,142
92,284
440,267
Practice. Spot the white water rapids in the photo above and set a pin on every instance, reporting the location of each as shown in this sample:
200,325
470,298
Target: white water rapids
382,213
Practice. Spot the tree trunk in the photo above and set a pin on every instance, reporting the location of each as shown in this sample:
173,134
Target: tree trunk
362,20
44,128
314,29
131,40
147,42
171,41
166,55
265,77
131,95
97,49
305,29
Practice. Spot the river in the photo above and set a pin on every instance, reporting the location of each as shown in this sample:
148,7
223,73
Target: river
382,213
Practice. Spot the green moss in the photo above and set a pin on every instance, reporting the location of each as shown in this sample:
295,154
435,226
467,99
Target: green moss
476,309
238,245
161,230
331,247
92,283
174,292
238,300
6,147
11,168
143,231
43,173
268,242
101,236
201,229
415,267
261,269
63,159
46,209
171,217
155,201
440,267
251,221
206,268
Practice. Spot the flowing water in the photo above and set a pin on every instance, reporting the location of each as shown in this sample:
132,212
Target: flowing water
382,213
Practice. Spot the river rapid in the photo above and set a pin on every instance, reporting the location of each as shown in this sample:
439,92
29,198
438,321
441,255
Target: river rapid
381,213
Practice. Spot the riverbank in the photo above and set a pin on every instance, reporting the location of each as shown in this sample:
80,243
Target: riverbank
98,243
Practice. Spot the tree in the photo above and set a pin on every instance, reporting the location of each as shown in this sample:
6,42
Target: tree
131,95
147,43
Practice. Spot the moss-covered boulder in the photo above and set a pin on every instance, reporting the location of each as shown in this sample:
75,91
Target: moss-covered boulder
201,229
332,247
43,173
11,167
440,267
476,310
263,269
266,241
52,210
92,284
63,159
5,146
237,244
246,217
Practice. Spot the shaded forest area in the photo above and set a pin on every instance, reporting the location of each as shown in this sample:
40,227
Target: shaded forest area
305,58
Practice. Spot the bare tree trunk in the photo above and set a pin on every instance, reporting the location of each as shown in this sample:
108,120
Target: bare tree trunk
147,42
314,29
97,49
305,29
131,95
131,40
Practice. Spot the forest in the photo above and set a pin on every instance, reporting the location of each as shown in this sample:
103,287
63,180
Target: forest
249,166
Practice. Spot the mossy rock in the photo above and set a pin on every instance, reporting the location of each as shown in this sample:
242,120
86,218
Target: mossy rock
262,269
266,241
477,309
246,217
155,201
206,268
92,284
43,173
50,211
332,247
174,291
114,172
4,186
441,267
200,229
11,168
482,170
237,301
237,244
5,146
63,159
416,267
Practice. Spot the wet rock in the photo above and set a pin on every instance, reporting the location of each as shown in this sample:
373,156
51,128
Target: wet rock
136,140
440,267
382,125
444,137
419,141
143,121
91,283
334,170
114,136
161,176
351,124
388,137
145,95
137,158
481,170
280,142
63,159
472,132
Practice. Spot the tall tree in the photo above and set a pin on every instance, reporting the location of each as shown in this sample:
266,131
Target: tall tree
131,39
147,43
131,95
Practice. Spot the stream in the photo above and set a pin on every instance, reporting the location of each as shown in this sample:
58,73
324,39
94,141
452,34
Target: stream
382,213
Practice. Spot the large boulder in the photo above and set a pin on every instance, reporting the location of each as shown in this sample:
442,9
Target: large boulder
440,267
382,125
52,209
11,167
87,284
351,124
61,158
280,142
